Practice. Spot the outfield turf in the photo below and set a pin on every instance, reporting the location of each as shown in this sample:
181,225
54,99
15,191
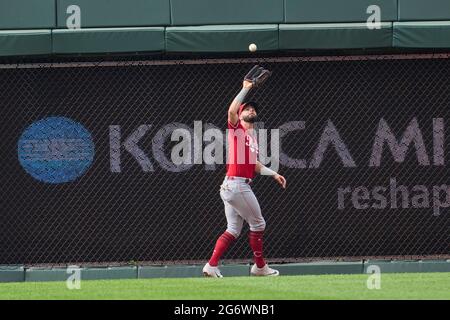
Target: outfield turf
393,286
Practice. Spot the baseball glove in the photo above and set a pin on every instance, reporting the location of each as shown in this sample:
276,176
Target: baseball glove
257,75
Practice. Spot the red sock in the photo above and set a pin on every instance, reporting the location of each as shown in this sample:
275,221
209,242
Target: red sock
222,245
256,243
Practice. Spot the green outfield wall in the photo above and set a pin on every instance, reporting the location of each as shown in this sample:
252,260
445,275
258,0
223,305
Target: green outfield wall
45,27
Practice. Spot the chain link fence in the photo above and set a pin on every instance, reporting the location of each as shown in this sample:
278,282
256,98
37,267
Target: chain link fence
86,174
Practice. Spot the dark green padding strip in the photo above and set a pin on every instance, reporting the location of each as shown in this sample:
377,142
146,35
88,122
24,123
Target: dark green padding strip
27,14
116,13
62,274
12,274
151,272
46,274
170,272
221,38
109,273
190,271
312,11
199,12
18,274
413,10
409,266
431,34
100,40
334,36
235,270
25,42
319,268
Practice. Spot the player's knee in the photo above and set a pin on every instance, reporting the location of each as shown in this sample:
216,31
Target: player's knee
235,232
258,226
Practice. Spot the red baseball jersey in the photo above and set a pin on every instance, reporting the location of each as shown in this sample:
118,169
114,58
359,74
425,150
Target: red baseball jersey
242,152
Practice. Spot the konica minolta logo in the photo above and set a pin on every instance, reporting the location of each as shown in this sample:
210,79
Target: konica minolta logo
56,150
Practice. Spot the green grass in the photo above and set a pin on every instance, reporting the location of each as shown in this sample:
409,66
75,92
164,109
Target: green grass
393,286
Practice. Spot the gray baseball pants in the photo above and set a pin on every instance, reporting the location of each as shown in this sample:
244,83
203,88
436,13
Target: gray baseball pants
240,204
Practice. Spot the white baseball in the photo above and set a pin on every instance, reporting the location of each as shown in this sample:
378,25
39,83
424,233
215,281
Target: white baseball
252,47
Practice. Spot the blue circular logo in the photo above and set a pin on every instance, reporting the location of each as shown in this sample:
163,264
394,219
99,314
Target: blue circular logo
56,150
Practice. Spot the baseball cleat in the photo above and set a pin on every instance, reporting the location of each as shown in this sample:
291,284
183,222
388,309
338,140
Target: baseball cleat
211,272
264,271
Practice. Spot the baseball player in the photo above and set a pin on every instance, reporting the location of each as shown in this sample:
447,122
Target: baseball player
242,164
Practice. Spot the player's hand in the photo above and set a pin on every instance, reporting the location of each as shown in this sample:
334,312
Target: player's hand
247,84
281,180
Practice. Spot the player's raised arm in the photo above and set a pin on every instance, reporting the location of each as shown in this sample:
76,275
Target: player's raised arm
233,117
254,78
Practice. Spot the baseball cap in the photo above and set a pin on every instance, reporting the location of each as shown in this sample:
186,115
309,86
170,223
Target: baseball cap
250,103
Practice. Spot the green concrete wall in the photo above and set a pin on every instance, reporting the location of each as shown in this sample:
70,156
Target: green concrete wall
27,14
423,10
201,12
116,13
38,27
326,11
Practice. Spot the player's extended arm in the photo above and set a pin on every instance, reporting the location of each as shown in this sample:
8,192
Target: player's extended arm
233,117
261,169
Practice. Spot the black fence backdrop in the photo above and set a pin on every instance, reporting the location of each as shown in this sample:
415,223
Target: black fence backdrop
163,217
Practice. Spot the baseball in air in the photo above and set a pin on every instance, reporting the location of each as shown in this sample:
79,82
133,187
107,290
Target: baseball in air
252,47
